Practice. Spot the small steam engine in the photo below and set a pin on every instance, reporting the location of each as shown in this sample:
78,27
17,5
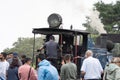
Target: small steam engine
74,42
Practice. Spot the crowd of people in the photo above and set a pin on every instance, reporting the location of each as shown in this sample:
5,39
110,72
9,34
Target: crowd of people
13,67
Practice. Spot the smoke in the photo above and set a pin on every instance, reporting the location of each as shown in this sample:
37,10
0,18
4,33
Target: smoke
73,12
96,22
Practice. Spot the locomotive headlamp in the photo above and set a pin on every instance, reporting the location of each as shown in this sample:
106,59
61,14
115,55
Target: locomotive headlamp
54,20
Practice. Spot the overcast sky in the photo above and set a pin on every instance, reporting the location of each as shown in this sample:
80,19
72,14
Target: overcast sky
19,17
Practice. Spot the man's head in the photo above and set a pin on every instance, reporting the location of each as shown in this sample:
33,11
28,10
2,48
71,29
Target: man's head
28,60
15,54
52,38
3,55
88,53
15,62
23,56
10,55
67,58
116,60
40,57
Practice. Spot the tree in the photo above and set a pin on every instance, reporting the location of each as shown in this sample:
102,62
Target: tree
88,26
25,46
110,16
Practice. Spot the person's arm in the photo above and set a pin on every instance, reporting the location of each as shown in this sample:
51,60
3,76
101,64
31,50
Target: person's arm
42,48
62,62
58,47
7,67
38,50
19,73
104,74
117,74
100,67
6,74
41,74
83,68
76,70
33,74
82,73
62,73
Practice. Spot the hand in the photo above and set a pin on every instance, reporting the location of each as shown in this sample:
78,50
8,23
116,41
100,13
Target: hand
62,62
38,50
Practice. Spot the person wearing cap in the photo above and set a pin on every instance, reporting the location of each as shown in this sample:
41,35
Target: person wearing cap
4,65
19,60
12,73
14,54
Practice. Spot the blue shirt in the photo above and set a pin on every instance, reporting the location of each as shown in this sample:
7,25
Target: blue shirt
13,73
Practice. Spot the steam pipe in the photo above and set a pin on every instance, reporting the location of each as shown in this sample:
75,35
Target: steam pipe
75,47
33,50
61,44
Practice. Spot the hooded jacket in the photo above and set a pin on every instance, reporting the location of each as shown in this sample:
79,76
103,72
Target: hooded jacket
46,71
112,72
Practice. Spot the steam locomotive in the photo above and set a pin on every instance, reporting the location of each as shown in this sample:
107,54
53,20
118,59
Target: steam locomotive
74,42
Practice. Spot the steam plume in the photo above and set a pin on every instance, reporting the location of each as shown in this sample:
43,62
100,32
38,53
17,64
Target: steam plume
96,22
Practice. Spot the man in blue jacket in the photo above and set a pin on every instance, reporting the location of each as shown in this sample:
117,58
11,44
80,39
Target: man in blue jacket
46,71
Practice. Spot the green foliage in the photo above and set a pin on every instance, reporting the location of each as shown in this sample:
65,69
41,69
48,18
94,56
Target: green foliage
88,27
109,15
25,46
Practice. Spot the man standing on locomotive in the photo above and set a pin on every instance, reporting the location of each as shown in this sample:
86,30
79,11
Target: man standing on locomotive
51,47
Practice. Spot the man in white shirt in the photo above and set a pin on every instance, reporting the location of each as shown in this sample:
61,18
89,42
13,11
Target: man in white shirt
91,68
4,65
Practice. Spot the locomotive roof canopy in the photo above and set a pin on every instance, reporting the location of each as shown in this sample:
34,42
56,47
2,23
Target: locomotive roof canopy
55,31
